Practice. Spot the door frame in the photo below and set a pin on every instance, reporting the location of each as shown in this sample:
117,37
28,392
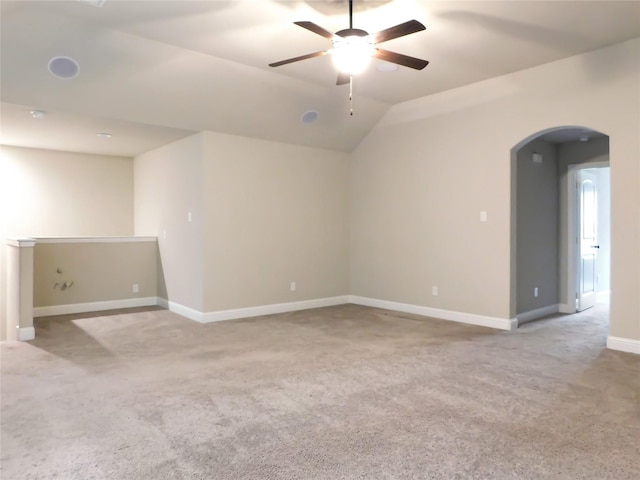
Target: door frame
573,220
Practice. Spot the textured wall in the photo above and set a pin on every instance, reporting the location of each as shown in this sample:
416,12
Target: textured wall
263,215
168,188
538,238
420,179
100,271
46,193
276,214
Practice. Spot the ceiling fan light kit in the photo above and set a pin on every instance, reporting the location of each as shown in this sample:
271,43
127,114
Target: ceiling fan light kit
352,54
353,48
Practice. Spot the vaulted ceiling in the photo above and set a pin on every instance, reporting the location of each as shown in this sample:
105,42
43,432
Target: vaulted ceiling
155,71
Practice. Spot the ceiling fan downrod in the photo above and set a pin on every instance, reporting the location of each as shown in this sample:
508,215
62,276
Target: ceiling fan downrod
350,13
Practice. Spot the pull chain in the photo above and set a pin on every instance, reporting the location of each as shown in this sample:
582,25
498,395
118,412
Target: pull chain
351,95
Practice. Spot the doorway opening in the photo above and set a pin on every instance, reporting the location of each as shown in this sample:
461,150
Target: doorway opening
560,227
589,223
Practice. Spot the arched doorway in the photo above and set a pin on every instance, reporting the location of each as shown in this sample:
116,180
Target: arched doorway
550,272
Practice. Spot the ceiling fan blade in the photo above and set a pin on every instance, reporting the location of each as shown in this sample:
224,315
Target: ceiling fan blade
400,59
406,28
343,78
297,59
315,29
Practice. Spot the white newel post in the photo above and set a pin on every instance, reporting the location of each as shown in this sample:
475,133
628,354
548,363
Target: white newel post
20,289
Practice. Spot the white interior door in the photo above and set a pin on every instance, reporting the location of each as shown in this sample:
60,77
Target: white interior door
587,228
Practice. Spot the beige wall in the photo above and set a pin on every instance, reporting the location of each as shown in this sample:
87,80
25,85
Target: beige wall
49,193
100,271
45,193
168,185
537,235
276,214
417,190
421,178
417,185
264,214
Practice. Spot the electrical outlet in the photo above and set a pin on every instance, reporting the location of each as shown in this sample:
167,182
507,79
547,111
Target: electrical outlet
535,292
434,291
136,288
292,286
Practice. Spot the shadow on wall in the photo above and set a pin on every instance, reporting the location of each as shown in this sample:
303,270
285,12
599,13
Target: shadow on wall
162,284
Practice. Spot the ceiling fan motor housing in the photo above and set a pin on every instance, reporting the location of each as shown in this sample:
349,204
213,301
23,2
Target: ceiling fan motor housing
352,32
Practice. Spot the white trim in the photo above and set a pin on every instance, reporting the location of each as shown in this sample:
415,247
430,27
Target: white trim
95,239
26,333
222,315
187,312
93,306
628,345
473,319
537,313
566,308
21,242
163,302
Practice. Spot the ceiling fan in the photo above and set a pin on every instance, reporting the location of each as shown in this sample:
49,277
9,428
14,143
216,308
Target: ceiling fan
353,48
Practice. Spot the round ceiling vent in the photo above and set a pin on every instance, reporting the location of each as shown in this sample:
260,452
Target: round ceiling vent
310,116
64,67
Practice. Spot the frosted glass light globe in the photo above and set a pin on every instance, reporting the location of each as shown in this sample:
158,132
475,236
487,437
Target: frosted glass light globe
352,54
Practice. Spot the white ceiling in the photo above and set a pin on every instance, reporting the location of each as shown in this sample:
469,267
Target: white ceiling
154,71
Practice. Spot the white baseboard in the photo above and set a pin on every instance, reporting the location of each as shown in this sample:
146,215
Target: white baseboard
623,344
537,313
567,308
26,333
187,312
163,302
93,306
237,313
273,308
473,319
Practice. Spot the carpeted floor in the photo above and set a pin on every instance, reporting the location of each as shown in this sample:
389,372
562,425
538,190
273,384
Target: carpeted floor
344,392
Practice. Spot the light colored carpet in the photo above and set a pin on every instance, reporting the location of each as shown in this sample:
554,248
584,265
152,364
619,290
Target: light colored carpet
343,392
